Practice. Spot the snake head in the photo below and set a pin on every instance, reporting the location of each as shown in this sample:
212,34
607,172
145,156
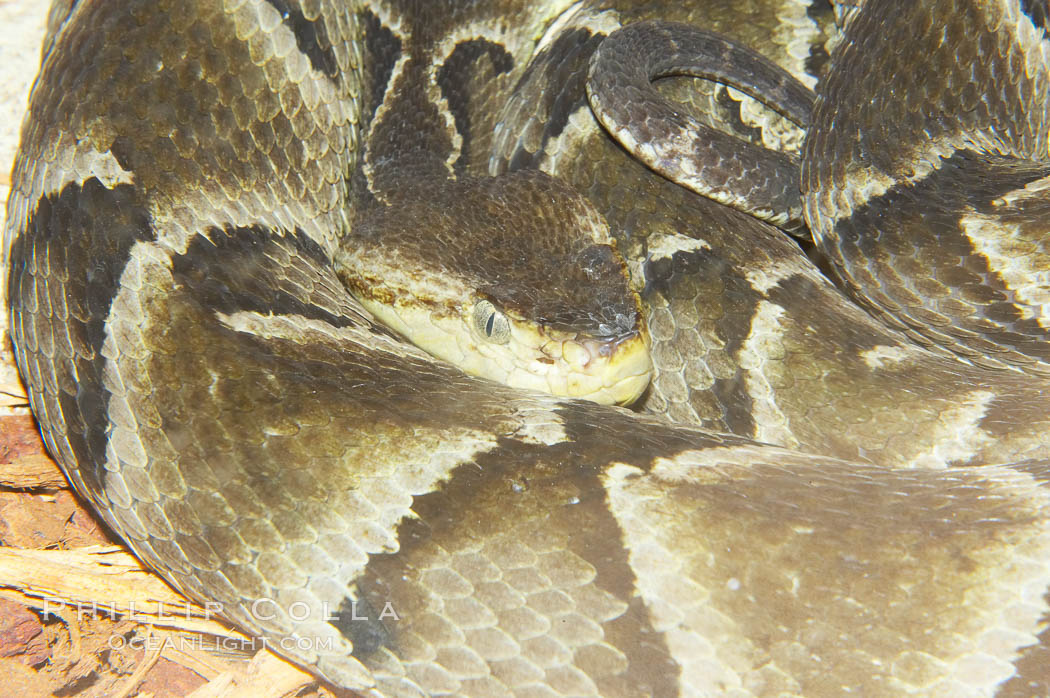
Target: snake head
514,278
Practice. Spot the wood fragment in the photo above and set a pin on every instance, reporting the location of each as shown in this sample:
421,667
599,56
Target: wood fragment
31,473
23,462
13,395
101,580
197,661
105,580
266,676
151,658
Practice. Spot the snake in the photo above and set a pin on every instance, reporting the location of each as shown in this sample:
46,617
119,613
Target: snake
836,479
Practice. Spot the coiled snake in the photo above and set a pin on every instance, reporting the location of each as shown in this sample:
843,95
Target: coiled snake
808,501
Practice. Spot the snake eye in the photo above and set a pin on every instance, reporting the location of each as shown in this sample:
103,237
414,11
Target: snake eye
491,323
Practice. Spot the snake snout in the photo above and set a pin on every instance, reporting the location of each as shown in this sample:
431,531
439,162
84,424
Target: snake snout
612,370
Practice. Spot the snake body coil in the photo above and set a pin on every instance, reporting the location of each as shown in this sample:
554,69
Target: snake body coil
842,506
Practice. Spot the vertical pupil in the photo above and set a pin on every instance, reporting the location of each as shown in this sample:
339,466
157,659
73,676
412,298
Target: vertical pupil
489,323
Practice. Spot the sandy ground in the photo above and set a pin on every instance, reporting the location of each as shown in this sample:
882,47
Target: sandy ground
22,29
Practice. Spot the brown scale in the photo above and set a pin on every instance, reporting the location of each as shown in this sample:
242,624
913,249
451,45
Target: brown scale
208,384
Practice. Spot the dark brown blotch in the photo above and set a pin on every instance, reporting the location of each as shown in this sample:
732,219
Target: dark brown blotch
519,240
311,37
76,243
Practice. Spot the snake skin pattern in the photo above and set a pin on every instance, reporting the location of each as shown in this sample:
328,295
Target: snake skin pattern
808,501
750,177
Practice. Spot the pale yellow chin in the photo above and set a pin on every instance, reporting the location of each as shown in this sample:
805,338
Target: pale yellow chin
611,373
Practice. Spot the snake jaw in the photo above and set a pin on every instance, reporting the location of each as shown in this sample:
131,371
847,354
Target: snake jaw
629,365
607,370
613,371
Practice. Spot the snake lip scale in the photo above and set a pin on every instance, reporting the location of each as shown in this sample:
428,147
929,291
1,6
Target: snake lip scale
823,489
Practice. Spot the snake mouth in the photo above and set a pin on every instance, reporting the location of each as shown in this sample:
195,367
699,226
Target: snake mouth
609,371
612,371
